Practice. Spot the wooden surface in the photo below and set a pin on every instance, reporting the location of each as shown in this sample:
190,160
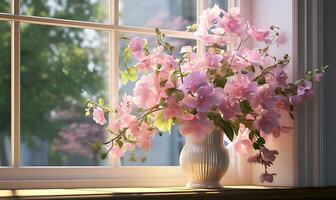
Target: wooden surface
227,193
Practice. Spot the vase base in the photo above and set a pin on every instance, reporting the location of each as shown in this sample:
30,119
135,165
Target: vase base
203,185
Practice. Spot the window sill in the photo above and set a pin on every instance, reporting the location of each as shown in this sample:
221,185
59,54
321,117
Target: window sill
228,192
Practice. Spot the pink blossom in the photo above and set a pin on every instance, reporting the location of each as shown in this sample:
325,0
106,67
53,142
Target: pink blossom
241,142
318,77
117,152
229,107
145,91
194,81
277,77
144,139
295,99
172,109
259,34
267,121
204,99
305,88
98,116
199,127
209,39
242,146
246,57
210,16
136,47
264,97
211,60
268,155
266,177
240,86
255,159
232,22
144,65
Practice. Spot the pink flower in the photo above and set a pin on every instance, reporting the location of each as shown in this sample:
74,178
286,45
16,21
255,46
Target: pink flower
267,121
211,60
172,110
144,65
258,34
232,22
210,16
242,143
194,81
145,91
268,155
242,146
98,116
246,57
304,91
144,139
264,97
318,77
255,159
136,47
240,86
117,152
204,99
199,127
229,107
266,177
277,77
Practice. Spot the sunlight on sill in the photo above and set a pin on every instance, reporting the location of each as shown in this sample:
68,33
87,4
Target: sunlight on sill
111,191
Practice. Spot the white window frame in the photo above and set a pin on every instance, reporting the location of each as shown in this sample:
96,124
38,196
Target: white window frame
16,176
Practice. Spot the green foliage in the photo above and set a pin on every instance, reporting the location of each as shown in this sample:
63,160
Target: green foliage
129,75
55,69
245,107
163,124
229,128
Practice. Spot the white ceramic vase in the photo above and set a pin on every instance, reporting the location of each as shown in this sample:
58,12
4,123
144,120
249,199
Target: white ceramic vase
205,162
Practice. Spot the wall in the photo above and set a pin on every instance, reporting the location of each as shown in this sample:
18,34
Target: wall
264,13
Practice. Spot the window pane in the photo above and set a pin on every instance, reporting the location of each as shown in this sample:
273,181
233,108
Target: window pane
60,69
88,10
166,14
223,4
165,149
5,6
5,93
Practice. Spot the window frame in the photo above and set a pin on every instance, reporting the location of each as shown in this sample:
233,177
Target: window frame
16,176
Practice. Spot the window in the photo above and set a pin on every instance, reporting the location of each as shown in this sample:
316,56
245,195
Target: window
63,52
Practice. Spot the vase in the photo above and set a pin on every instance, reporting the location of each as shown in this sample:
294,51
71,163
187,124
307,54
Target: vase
204,162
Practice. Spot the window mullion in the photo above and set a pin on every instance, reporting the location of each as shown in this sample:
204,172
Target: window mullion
15,86
201,4
114,63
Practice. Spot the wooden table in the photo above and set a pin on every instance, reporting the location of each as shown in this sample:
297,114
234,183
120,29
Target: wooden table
174,193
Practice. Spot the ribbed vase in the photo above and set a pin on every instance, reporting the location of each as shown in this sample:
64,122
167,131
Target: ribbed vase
205,162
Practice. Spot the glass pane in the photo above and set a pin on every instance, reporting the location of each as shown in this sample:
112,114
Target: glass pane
223,4
88,10
165,149
166,14
5,93
5,6
60,69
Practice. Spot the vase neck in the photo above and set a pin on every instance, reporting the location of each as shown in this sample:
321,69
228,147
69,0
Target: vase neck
215,138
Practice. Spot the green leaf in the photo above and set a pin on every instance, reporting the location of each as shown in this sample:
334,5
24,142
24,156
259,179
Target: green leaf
163,124
261,141
220,82
103,155
256,146
261,80
245,107
87,112
101,102
127,55
132,70
124,77
171,91
251,135
226,126
120,143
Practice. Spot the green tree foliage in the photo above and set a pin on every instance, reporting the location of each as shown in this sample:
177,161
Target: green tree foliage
59,68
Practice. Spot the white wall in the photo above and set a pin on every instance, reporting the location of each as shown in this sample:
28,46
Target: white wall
264,13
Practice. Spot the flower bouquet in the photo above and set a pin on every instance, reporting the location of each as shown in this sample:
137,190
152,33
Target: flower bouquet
239,90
